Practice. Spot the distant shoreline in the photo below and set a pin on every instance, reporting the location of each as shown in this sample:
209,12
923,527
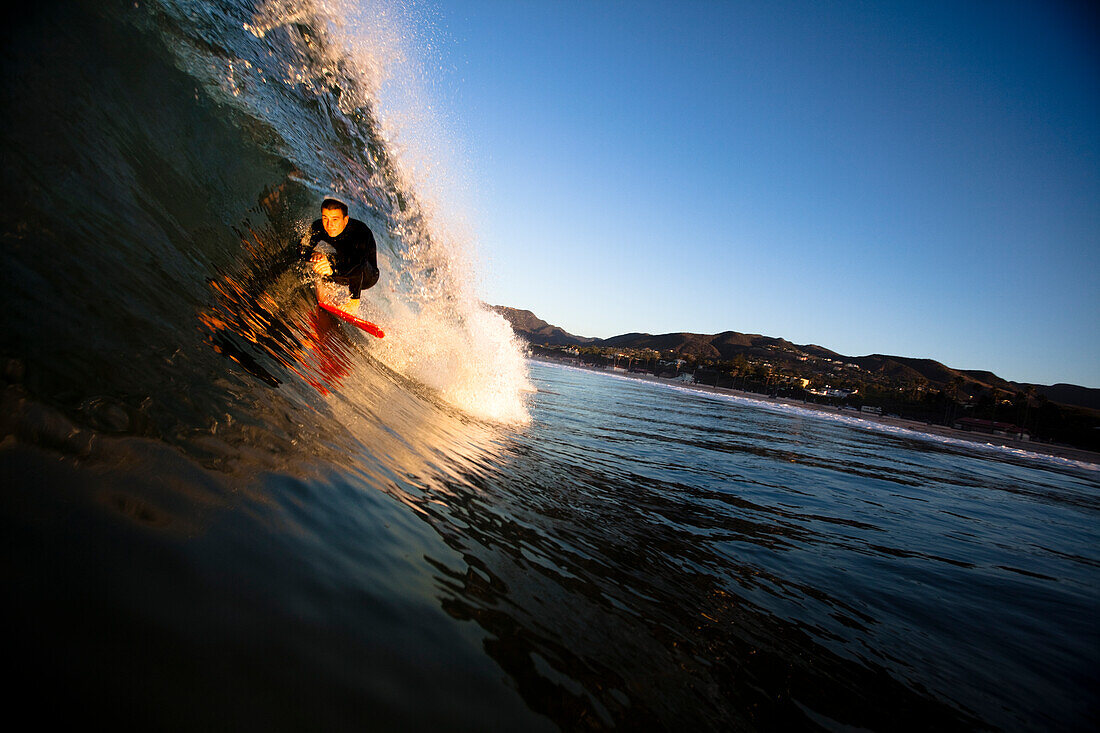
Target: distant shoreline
1047,449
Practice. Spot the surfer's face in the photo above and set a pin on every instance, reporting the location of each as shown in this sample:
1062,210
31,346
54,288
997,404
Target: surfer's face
334,221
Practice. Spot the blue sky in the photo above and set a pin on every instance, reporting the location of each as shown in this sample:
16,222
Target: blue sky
919,179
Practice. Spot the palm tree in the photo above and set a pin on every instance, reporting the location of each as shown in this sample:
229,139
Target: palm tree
1029,394
953,388
994,393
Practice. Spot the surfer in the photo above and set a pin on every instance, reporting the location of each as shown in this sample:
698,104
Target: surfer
343,250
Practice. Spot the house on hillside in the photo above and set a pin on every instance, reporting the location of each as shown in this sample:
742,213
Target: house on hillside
831,392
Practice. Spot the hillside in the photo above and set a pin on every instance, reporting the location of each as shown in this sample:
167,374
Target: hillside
1072,394
534,330
807,359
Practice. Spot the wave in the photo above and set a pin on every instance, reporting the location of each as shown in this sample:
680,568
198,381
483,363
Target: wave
159,188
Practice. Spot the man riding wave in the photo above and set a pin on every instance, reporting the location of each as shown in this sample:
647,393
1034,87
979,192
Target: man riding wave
343,251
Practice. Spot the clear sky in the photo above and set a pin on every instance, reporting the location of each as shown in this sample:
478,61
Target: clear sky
919,179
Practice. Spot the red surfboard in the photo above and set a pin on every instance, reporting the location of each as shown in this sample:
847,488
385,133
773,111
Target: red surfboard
367,326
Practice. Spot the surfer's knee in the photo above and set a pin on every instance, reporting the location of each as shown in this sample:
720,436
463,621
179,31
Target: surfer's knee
370,277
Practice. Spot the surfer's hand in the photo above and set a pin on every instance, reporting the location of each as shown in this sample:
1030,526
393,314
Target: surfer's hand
351,306
321,265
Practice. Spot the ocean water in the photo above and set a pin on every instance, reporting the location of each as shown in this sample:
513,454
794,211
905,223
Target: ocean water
222,509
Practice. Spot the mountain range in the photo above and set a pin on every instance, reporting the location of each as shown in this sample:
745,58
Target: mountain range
727,345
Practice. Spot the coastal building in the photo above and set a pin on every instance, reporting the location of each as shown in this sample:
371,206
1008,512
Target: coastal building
973,424
831,392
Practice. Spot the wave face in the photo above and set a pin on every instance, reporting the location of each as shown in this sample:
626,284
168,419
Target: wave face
163,170
223,509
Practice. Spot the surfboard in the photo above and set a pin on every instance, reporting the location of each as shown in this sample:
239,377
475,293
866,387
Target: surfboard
367,326
327,291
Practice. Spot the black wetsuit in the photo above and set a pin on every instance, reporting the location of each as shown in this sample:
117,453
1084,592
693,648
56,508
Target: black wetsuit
355,263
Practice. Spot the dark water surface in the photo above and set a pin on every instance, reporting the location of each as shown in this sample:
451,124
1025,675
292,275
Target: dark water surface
636,557
221,509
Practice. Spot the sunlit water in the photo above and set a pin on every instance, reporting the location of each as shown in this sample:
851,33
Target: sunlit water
223,509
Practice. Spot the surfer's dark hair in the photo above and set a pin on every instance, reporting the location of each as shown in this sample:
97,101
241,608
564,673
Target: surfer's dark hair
334,204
